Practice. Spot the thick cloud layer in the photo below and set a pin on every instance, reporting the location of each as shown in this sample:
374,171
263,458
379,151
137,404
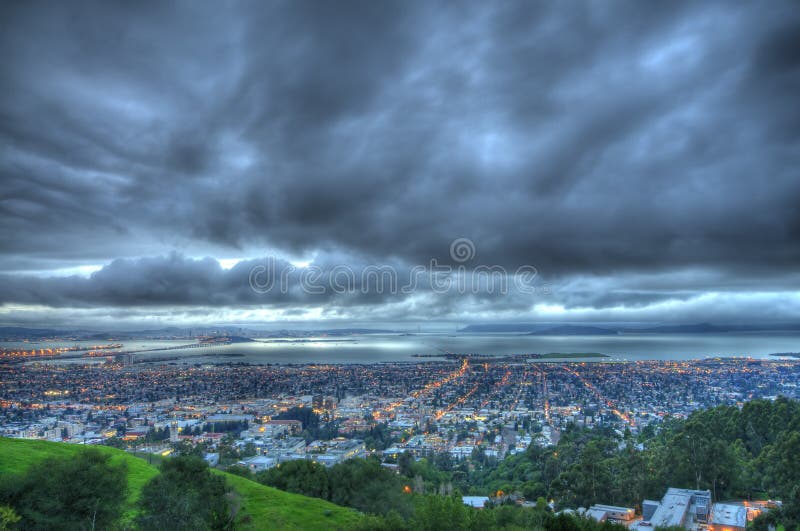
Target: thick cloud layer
634,153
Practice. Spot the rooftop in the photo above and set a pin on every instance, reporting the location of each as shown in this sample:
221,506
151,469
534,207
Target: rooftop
672,511
725,514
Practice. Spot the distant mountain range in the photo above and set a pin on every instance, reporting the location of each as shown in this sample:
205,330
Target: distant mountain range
535,329
583,330
574,330
19,333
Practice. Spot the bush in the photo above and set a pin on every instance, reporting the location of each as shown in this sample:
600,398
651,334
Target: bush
85,492
186,495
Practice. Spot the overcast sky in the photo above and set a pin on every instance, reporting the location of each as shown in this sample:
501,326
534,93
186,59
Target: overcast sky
643,157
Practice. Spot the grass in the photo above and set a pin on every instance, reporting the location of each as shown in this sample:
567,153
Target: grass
267,508
16,455
261,507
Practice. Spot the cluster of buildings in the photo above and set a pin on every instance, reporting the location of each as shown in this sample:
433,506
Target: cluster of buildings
327,453
683,508
467,410
470,408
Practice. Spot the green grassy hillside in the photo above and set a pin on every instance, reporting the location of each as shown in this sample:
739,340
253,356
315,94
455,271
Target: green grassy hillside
16,455
261,507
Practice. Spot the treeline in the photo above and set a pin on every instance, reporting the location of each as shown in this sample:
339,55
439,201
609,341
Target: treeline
377,437
735,453
363,484
186,495
89,491
434,513
313,427
234,427
84,492
408,500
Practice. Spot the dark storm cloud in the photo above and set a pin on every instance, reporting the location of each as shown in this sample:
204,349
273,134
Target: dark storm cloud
182,290
173,281
611,141
176,280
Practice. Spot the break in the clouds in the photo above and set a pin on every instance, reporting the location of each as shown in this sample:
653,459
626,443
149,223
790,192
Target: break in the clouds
643,157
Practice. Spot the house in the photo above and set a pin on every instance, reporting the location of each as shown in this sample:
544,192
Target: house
728,517
258,463
274,428
733,516
678,508
601,513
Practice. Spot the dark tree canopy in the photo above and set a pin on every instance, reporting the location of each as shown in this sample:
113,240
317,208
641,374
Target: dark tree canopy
185,496
83,492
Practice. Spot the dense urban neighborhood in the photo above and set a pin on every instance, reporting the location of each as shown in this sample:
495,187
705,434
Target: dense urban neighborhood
468,415
425,408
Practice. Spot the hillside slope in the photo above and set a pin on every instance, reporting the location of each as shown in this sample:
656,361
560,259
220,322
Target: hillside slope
262,507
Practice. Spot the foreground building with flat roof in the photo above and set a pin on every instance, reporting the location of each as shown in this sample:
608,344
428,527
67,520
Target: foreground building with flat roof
728,517
679,507
601,513
733,516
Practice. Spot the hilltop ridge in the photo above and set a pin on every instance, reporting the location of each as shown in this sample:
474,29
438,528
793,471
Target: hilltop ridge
262,507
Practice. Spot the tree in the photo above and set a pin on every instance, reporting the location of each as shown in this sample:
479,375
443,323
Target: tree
8,517
299,476
240,470
390,522
443,461
185,495
780,465
369,487
787,516
84,492
701,457
249,450
404,463
437,512
185,448
114,442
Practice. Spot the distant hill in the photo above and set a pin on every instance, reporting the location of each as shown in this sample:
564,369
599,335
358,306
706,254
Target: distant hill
700,328
708,328
262,507
538,329
503,328
14,332
573,330
607,329
355,331
786,354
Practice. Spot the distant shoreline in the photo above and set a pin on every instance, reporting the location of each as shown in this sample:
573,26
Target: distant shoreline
568,355
513,357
